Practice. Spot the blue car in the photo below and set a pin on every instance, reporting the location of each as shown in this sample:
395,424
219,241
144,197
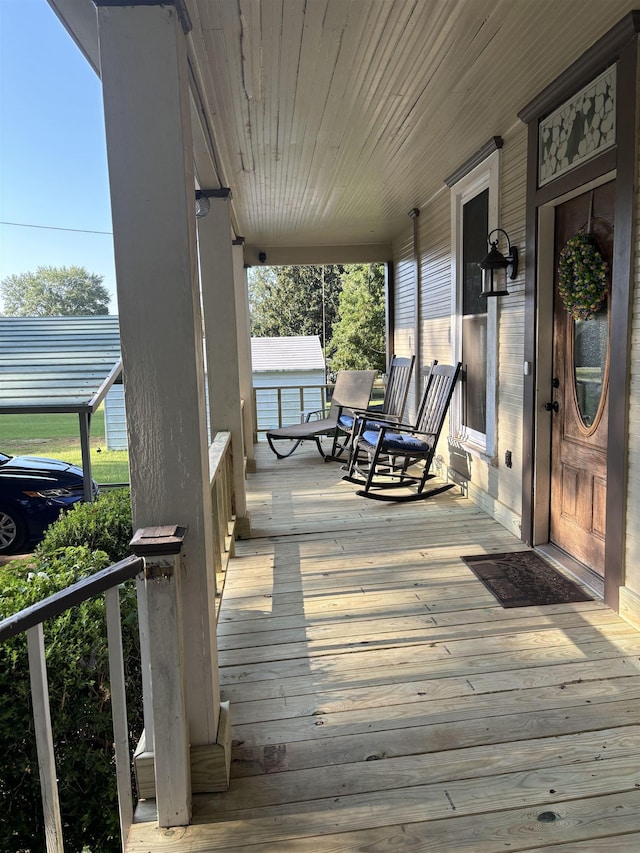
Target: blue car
33,493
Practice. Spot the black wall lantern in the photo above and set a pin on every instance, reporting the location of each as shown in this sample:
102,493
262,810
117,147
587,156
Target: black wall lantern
496,266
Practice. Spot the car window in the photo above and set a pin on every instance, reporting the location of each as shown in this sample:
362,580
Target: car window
4,458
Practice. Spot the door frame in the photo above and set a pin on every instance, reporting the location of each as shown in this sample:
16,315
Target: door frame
620,46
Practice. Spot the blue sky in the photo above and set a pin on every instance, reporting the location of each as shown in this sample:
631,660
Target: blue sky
53,163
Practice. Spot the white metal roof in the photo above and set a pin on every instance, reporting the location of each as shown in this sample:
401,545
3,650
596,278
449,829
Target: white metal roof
295,352
57,364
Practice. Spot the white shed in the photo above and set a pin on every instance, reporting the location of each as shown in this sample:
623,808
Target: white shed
293,364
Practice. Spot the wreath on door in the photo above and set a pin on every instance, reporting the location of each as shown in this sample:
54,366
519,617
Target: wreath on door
582,276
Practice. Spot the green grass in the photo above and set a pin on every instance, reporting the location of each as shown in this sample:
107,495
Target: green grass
58,437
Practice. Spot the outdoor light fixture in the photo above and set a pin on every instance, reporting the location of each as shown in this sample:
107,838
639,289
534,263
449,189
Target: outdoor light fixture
203,204
496,266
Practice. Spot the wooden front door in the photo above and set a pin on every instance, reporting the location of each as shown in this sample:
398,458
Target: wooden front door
581,392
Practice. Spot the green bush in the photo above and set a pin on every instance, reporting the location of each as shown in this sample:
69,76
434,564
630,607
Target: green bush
78,672
104,525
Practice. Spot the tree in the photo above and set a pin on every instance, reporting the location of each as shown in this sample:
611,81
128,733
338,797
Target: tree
358,340
289,300
55,291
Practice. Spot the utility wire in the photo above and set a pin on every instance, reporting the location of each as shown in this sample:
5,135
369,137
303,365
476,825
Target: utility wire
55,228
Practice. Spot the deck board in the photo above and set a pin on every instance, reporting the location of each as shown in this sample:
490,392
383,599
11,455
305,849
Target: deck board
383,700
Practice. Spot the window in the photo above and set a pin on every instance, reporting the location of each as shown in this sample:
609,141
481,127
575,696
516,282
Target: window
474,214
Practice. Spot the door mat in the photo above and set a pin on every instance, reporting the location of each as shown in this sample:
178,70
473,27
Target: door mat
523,579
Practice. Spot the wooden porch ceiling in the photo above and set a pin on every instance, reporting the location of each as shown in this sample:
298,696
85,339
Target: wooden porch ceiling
331,119
382,700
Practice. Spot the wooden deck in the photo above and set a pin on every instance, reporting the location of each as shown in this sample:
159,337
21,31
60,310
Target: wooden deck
383,701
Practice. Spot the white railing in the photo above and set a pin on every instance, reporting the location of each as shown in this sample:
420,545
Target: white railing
275,406
30,621
281,405
155,561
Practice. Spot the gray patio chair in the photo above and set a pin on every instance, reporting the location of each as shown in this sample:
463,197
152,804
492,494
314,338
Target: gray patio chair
352,391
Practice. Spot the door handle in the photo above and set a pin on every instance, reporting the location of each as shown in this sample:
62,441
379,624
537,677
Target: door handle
551,407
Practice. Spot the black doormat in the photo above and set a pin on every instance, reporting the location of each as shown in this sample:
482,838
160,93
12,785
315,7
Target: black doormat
523,579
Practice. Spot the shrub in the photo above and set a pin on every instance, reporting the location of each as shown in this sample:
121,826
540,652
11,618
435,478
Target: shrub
104,525
77,666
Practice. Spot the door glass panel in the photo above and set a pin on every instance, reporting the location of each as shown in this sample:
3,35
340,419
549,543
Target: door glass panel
590,344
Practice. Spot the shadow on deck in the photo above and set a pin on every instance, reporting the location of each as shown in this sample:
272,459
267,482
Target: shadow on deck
382,700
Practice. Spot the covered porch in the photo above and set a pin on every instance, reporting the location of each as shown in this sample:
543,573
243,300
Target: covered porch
379,697
383,700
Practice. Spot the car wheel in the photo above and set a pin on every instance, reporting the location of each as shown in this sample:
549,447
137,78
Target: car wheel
12,530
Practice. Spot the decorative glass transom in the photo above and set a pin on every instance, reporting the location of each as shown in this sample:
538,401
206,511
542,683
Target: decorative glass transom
582,127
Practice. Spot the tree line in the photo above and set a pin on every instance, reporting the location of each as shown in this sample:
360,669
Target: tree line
342,304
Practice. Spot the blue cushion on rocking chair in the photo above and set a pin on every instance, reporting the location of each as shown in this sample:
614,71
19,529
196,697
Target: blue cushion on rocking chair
396,442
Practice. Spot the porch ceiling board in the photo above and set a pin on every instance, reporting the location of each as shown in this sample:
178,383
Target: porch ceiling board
331,119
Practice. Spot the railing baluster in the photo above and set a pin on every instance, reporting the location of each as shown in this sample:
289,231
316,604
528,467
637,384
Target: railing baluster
44,739
119,711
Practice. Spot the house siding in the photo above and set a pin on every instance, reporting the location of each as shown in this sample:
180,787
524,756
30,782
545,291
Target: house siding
404,304
115,419
506,487
490,483
495,487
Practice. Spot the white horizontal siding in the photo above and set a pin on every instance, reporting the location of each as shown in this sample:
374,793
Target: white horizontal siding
507,486
497,488
404,303
115,419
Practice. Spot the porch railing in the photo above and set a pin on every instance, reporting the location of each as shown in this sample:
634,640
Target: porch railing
222,506
281,405
156,552
30,621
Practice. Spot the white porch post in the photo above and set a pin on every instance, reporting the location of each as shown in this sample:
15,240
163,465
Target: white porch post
221,340
146,102
244,350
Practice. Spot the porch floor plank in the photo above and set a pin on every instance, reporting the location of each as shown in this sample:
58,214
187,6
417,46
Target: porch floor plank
382,699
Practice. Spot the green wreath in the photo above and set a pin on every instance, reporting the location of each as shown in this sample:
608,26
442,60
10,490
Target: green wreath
582,277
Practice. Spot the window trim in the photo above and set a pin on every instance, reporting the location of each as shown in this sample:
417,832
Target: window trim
485,175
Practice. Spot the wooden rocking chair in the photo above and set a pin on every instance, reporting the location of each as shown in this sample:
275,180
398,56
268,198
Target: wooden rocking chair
352,391
383,452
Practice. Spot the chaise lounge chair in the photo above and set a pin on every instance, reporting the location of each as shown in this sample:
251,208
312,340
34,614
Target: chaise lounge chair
352,391
383,452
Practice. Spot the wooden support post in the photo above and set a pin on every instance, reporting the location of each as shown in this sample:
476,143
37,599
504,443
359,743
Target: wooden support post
160,548
44,739
221,342
244,352
145,81
85,448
